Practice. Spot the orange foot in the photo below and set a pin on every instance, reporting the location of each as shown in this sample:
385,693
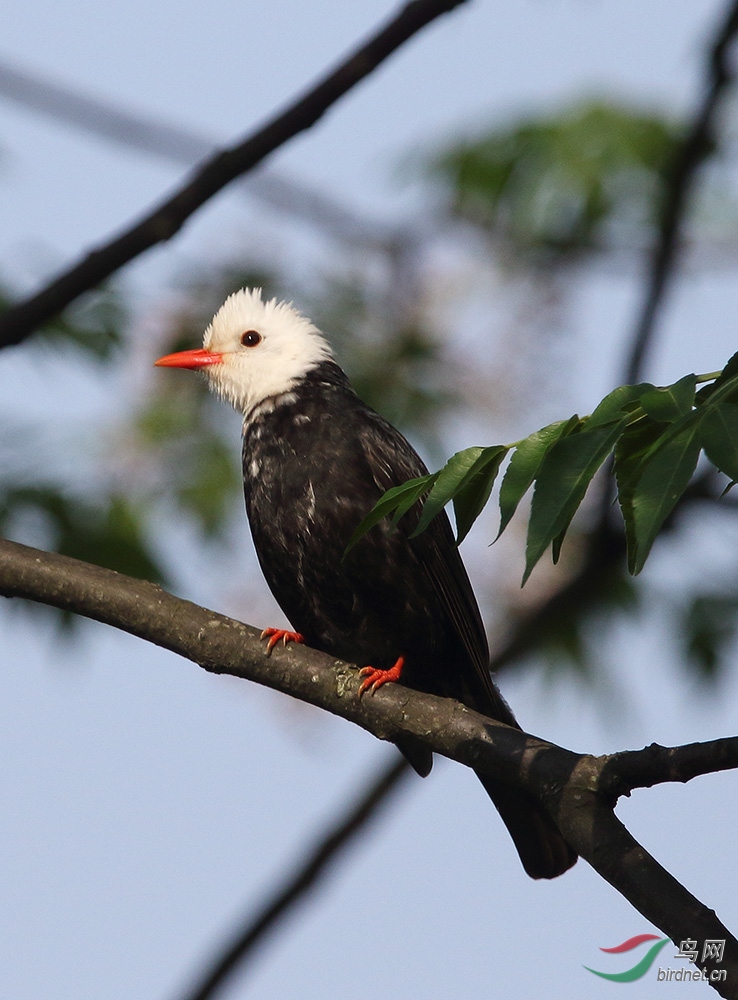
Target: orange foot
275,634
374,678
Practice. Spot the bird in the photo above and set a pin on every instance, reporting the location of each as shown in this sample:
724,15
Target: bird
316,459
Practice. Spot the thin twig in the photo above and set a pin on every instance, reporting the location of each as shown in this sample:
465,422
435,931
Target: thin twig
19,321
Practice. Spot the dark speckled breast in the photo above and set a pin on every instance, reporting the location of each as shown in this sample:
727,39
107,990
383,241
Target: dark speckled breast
315,461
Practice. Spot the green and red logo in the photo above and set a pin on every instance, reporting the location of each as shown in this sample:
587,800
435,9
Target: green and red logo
641,967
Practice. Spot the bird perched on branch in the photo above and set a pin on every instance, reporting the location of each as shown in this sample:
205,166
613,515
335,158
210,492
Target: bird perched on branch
315,461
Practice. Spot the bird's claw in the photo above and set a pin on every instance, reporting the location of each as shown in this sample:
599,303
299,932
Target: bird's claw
275,634
375,678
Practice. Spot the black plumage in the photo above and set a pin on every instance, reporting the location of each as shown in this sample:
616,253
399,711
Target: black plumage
315,461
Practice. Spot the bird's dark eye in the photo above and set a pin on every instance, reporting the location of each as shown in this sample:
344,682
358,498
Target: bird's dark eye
251,338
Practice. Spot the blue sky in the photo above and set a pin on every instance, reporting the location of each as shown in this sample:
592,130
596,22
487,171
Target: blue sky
144,804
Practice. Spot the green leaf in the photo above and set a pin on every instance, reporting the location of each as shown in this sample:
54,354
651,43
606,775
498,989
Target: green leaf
115,537
209,484
709,626
473,468
718,431
558,541
411,497
635,443
110,531
93,324
448,481
562,481
564,183
671,402
665,473
618,402
396,501
524,465
476,488
730,371
728,374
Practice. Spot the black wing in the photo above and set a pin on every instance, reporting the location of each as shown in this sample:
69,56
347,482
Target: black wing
393,461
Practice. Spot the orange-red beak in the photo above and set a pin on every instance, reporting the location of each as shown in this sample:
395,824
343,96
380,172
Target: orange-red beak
199,358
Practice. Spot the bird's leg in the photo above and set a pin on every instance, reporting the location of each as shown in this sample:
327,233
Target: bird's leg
374,678
275,634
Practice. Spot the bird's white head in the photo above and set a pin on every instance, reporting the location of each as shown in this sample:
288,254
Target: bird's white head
254,350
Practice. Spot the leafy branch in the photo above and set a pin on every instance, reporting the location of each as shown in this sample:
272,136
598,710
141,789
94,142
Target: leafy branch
654,433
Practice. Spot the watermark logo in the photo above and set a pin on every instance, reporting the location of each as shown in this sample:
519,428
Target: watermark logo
641,967
712,950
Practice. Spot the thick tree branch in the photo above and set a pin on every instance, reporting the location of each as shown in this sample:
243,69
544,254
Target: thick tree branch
630,869
165,221
579,790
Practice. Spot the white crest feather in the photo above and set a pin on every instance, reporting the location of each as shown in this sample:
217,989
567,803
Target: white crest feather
290,347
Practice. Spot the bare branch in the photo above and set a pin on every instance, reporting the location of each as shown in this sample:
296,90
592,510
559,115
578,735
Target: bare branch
697,145
578,790
244,941
629,868
18,322
655,764
173,142
223,645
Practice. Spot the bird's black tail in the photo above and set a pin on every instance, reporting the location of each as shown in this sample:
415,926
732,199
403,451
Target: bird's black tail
542,849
